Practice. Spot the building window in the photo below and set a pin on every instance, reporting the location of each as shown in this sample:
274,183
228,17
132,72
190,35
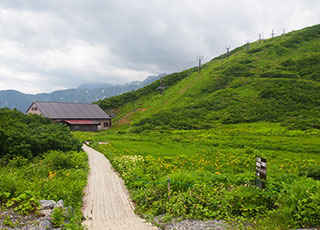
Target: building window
34,109
106,124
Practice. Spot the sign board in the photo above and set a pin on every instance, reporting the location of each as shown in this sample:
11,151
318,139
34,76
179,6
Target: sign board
261,172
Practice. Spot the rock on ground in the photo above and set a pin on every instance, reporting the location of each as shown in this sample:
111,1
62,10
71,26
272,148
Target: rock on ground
10,220
47,204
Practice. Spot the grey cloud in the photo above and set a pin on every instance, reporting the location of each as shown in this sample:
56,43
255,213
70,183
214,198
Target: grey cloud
70,42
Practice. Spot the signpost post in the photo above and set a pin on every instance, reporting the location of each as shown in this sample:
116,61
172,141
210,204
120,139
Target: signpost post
261,172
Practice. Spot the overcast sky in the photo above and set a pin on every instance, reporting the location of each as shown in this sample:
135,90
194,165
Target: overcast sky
47,45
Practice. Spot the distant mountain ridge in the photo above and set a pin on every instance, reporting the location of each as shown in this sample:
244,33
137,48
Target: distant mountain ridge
85,93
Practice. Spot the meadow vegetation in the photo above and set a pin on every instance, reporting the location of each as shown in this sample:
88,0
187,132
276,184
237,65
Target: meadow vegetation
212,173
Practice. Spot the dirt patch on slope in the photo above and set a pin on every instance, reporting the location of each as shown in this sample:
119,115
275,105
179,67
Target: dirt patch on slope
126,119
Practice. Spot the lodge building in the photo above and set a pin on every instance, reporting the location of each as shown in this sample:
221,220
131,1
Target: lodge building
78,116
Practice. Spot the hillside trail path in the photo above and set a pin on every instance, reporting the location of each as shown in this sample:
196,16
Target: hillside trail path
106,204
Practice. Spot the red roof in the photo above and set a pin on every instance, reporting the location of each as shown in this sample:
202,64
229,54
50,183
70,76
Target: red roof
81,122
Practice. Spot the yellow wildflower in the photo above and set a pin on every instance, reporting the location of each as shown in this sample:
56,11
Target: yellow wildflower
51,175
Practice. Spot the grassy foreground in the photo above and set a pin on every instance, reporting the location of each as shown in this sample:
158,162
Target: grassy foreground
54,176
212,173
40,160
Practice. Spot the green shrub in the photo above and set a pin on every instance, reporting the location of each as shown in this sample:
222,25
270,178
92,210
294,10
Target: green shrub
304,35
57,217
9,182
57,160
275,74
256,50
302,200
31,135
17,162
238,70
302,122
312,171
24,203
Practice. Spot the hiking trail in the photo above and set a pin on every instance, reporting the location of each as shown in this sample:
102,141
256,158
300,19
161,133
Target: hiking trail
106,204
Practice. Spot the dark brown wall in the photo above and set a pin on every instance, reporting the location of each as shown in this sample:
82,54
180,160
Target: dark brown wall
92,128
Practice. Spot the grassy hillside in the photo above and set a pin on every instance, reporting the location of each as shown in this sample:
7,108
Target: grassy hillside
277,80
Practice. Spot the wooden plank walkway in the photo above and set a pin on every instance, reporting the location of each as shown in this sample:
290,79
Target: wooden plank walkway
106,204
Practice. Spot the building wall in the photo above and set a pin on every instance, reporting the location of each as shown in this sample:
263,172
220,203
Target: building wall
34,110
104,124
90,128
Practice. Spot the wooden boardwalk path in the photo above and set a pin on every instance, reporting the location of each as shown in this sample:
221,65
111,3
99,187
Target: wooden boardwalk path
106,204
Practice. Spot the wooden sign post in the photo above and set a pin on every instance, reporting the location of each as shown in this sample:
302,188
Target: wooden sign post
261,172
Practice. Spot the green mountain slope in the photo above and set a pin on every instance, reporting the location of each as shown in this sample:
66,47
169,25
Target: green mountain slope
277,80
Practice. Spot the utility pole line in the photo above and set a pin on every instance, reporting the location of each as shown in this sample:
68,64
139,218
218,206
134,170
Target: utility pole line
199,59
228,49
272,34
161,88
260,38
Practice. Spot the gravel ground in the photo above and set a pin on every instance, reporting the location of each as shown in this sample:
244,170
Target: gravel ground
307,229
198,225
10,220
202,225
179,224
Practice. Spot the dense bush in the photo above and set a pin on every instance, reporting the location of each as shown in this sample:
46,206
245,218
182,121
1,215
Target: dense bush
303,122
256,50
304,35
32,135
217,82
307,67
275,74
238,70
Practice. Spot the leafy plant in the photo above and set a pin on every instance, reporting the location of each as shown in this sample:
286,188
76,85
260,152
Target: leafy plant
57,217
24,203
8,222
